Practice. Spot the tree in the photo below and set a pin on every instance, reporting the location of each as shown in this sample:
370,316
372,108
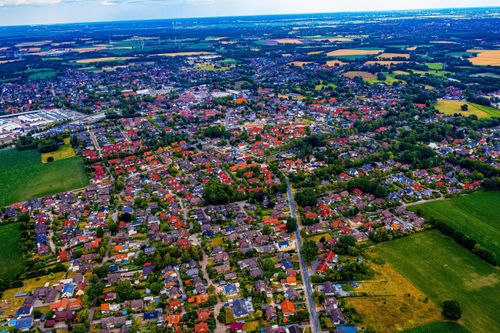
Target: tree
99,232
307,197
309,251
452,310
291,225
464,107
267,230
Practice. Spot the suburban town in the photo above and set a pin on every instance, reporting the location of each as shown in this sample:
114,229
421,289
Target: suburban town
317,174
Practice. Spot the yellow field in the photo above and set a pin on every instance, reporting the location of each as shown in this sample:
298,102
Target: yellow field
314,52
289,41
332,63
393,55
451,107
300,63
486,58
392,303
105,59
352,52
364,75
184,54
65,151
411,48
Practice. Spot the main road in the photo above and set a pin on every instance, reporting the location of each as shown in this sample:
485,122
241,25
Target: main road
313,315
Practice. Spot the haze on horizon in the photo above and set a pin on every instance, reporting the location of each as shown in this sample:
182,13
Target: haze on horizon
20,12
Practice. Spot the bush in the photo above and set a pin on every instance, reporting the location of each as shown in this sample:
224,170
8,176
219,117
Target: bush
50,159
452,310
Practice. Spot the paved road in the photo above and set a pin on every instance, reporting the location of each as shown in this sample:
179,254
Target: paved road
313,315
94,141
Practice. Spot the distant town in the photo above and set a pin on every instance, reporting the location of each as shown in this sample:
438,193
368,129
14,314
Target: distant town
296,174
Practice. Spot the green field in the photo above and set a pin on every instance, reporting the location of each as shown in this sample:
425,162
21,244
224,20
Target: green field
476,215
439,327
450,107
23,176
11,262
444,270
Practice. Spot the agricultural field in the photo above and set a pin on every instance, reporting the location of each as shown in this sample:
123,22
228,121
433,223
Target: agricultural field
354,52
364,75
444,270
300,64
389,56
392,303
476,215
289,41
105,59
450,107
64,152
23,176
438,327
184,54
485,57
11,258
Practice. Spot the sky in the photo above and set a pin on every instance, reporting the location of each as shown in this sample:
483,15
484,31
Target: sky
16,12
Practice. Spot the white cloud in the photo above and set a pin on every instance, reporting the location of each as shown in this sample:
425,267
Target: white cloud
5,3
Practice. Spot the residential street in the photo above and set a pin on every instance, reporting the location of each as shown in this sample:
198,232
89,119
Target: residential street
313,316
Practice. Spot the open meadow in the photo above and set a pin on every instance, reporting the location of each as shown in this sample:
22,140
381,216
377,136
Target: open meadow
450,107
23,176
392,303
65,151
475,215
11,262
443,270
438,327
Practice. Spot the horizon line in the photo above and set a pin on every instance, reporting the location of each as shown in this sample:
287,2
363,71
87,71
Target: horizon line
256,15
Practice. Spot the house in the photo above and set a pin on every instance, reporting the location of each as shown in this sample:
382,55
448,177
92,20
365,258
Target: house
201,328
239,308
151,315
24,311
230,289
24,324
287,308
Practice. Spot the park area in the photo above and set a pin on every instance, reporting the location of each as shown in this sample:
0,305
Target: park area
443,270
450,107
23,176
475,215
11,258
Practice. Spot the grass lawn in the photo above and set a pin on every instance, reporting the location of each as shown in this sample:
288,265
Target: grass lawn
444,270
451,107
42,75
476,215
390,79
65,151
439,327
11,262
23,176
437,66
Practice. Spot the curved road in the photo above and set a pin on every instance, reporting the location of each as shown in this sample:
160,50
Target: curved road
313,316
